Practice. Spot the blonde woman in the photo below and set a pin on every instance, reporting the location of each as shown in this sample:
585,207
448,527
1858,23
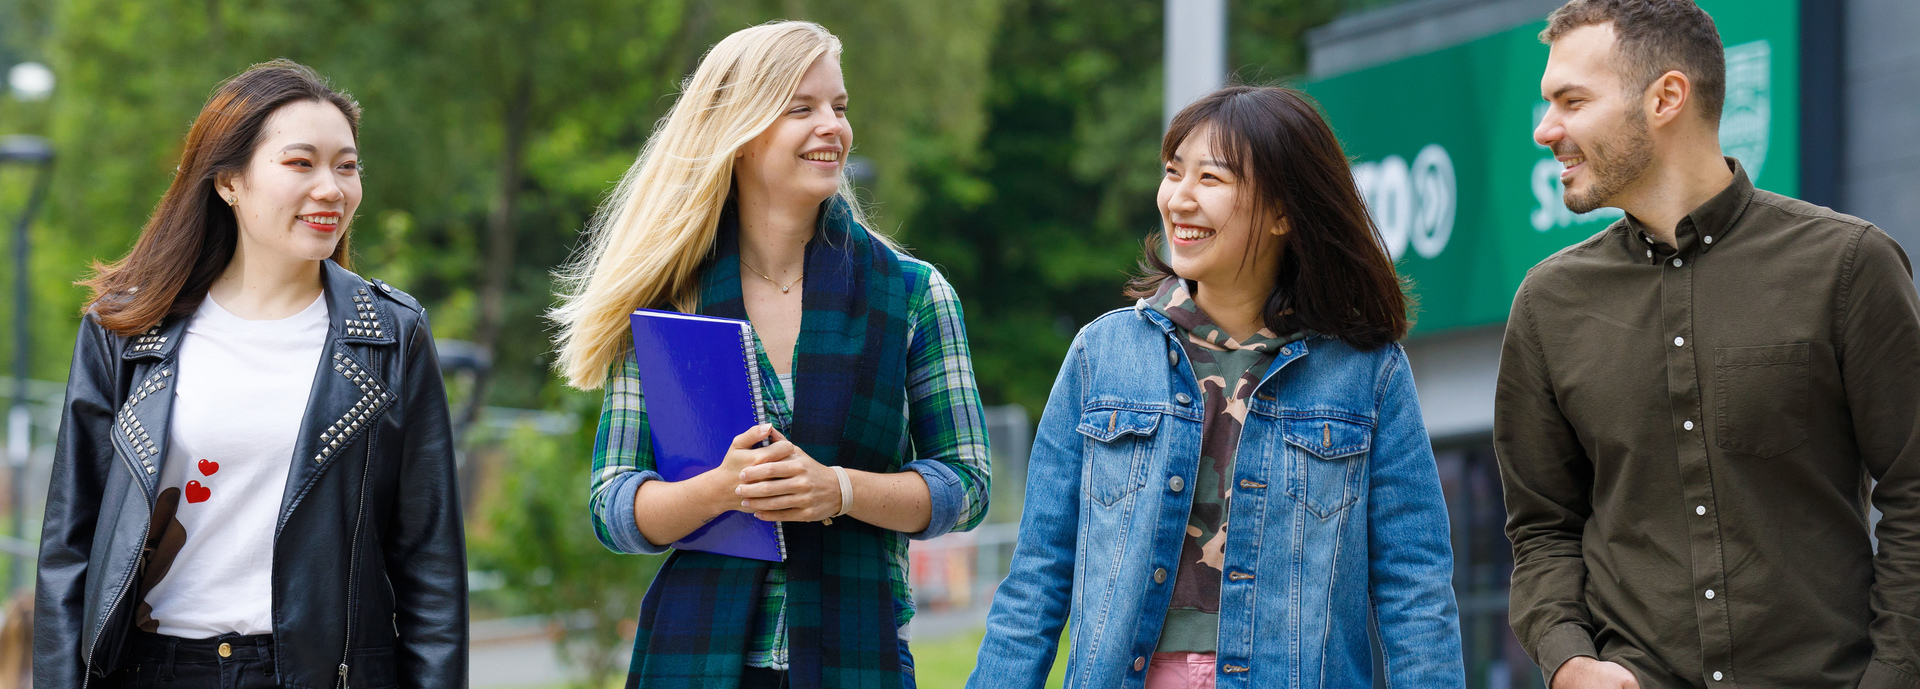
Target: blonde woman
739,207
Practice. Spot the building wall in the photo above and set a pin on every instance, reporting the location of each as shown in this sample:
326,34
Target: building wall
1880,164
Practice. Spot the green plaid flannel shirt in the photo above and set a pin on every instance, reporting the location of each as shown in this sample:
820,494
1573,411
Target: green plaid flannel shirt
947,435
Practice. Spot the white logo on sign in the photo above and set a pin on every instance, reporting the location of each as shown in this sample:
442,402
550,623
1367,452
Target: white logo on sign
1411,204
1746,120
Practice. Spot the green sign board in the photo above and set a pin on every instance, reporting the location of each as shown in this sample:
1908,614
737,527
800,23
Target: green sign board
1467,202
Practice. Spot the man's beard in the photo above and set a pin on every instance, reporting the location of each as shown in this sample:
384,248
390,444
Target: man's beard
1614,164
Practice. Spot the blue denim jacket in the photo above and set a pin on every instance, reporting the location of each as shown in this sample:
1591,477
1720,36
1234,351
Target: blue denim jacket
1337,517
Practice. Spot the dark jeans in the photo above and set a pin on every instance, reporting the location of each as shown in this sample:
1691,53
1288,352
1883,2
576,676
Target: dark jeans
155,661
762,678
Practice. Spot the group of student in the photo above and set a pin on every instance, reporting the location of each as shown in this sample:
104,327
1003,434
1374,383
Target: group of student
1231,483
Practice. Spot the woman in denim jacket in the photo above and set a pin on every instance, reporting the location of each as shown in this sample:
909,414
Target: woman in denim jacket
1232,476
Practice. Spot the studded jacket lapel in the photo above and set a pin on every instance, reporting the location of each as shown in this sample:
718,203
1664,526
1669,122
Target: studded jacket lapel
140,427
347,397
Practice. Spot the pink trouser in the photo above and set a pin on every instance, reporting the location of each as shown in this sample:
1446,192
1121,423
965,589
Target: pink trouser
1180,671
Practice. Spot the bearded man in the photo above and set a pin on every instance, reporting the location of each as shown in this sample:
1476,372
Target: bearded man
1694,405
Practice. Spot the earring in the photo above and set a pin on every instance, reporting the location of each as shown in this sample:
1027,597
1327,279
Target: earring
230,200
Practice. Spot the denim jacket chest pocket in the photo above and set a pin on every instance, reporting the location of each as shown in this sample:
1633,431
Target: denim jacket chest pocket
1118,447
1328,461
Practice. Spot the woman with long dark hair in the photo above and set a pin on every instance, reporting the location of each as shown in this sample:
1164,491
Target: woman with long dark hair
1232,477
254,482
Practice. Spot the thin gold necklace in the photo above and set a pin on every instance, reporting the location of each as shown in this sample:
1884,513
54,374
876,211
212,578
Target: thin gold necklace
776,283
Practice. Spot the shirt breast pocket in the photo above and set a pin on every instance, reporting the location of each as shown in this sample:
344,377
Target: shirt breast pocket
1760,397
1119,445
1331,458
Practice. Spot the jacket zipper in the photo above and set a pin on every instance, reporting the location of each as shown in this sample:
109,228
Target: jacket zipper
145,531
353,558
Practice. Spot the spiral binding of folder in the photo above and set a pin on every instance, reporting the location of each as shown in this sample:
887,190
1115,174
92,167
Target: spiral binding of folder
751,356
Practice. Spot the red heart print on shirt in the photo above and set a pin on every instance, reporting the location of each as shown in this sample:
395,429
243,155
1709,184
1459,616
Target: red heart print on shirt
208,467
198,493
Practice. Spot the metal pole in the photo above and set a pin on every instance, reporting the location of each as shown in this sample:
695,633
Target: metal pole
1196,52
19,419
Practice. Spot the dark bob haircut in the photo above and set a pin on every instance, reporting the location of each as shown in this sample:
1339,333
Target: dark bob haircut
1335,278
192,234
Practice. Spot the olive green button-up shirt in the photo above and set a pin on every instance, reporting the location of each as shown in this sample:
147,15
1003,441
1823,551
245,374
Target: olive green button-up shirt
1688,438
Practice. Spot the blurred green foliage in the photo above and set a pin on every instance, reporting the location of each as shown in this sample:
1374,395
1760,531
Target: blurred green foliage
532,536
1013,141
1040,233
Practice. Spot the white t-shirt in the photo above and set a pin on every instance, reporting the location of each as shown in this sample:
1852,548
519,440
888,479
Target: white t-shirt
237,406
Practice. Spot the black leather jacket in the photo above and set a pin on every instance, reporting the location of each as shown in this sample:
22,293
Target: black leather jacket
369,566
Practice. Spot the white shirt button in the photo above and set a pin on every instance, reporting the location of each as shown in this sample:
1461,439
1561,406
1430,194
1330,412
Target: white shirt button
1676,263
1688,425
1649,253
1716,675
1700,510
1709,240
1679,342
1709,594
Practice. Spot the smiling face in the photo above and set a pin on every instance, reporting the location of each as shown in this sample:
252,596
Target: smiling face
301,187
1212,228
1595,123
800,156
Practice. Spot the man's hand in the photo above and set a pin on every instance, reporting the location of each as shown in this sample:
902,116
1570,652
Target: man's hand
1582,672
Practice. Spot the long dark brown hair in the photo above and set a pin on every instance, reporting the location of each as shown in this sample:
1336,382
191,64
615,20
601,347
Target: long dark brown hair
1335,278
192,234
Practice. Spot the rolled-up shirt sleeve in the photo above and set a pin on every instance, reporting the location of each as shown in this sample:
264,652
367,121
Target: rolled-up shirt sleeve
622,460
945,420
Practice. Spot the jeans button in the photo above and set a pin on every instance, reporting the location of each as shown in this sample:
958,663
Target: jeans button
226,651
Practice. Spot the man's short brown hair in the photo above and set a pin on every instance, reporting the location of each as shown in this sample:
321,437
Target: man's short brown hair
1653,37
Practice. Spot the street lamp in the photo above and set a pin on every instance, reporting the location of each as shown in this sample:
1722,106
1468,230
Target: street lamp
35,151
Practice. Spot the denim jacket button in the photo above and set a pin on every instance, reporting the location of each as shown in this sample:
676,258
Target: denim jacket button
1139,663
1176,483
1173,357
1160,575
1183,398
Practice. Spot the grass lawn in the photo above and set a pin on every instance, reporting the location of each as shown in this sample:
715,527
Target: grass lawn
945,662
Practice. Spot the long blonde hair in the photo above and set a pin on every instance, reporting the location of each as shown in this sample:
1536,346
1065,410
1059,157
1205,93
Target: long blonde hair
646,243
